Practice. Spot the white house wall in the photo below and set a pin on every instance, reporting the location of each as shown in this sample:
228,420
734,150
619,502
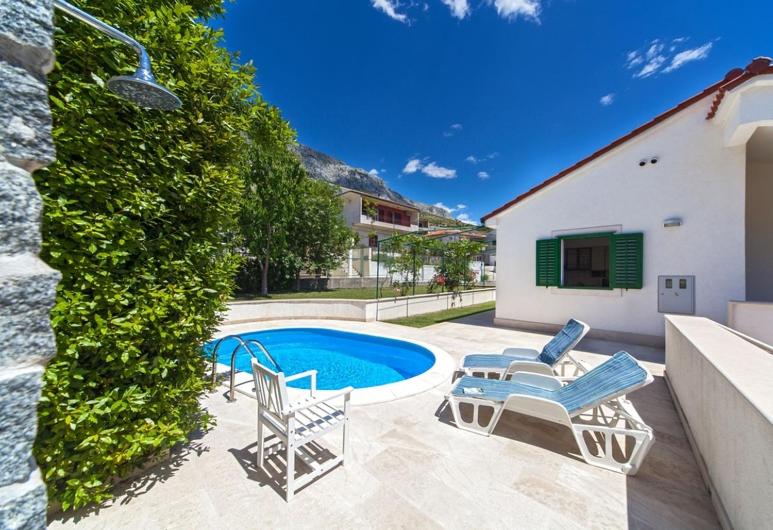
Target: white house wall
759,232
695,178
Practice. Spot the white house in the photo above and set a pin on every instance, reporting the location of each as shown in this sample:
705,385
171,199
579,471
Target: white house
676,216
374,218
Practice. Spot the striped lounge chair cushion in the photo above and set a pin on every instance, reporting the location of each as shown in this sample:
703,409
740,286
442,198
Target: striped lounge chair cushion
495,360
610,379
560,344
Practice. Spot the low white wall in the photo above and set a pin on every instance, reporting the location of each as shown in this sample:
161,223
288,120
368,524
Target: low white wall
723,386
427,303
289,309
363,310
754,319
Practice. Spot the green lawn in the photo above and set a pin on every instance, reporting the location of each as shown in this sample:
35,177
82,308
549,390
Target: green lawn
363,293
421,321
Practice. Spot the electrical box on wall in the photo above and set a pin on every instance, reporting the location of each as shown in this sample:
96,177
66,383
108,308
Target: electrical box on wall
676,294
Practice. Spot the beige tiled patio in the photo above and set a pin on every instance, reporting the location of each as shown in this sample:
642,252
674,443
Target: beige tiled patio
410,468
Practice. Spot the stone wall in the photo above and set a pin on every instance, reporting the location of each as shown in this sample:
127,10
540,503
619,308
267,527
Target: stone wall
27,285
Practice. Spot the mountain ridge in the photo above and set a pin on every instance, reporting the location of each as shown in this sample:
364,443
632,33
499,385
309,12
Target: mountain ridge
322,166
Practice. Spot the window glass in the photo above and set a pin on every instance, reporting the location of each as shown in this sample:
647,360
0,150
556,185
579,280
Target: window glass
586,262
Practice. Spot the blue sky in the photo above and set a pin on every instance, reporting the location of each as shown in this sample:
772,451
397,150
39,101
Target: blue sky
471,102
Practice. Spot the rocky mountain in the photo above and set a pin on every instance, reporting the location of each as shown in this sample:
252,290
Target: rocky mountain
324,167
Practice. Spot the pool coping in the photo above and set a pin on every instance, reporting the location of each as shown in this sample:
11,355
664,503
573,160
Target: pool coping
440,372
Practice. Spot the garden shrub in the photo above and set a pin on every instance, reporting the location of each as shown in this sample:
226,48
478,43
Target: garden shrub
136,212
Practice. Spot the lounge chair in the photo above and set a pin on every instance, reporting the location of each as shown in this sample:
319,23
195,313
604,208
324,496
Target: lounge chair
297,423
554,358
592,405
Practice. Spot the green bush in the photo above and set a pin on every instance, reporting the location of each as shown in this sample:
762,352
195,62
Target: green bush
137,208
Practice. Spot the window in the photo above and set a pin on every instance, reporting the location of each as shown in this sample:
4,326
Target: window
592,261
373,241
586,262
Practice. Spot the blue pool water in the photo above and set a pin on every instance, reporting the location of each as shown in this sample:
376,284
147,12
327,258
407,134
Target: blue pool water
340,358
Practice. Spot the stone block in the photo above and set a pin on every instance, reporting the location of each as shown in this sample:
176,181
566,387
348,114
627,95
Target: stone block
27,290
23,505
25,119
27,339
20,207
26,29
19,395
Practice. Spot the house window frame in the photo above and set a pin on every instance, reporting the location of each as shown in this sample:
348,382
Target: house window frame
562,254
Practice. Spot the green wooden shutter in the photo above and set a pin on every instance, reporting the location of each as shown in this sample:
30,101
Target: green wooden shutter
627,261
548,262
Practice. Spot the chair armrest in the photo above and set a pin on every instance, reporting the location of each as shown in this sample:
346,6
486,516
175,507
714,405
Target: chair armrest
538,407
534,367
343,392
545,382
521,351
312,374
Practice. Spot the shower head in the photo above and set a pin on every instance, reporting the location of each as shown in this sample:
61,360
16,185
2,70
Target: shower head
146,93
140,88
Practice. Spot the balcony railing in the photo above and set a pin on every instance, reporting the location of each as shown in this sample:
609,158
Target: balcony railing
388,223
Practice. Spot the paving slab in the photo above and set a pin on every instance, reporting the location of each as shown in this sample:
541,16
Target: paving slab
409,467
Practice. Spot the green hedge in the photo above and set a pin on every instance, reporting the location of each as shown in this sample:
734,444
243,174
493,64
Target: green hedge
137,207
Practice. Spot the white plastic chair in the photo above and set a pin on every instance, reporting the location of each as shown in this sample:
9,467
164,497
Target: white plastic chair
298,423
554,358
593,406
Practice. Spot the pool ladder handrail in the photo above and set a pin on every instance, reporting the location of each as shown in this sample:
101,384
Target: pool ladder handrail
242,344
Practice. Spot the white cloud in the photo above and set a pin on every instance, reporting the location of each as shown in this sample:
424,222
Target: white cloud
653,59
483,175
687,56
443,207
465,218
459,8
659,58
452,130
449,209
608,99
438,172
412,166
512,9
373,172
389,7
431,169
508,9
472,159
633,59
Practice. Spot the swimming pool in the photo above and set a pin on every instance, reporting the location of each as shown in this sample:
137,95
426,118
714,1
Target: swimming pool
341,358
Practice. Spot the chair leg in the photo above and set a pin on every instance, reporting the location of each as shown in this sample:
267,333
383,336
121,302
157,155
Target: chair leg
345,435
290,469
261,450
643,440
474,425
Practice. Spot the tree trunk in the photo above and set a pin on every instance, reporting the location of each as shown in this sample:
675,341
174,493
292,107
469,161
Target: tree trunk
264,277
264,270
